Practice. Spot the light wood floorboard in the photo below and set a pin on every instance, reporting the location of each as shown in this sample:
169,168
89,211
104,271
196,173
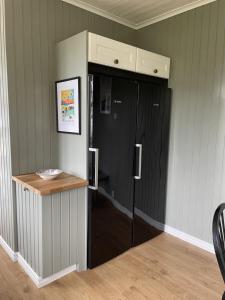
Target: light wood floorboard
164,268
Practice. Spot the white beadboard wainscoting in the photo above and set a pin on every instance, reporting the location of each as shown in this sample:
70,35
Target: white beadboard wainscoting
51,231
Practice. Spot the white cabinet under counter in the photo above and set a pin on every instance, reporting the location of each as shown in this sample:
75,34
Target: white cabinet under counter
50,218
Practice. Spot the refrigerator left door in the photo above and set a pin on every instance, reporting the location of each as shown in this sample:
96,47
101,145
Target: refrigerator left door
112,128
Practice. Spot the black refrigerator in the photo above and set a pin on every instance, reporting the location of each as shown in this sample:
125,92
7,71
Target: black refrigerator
128,150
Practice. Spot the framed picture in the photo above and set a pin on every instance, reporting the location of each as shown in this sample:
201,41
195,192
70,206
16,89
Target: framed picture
68,110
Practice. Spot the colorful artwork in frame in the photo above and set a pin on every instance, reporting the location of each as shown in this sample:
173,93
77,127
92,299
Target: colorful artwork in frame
68,105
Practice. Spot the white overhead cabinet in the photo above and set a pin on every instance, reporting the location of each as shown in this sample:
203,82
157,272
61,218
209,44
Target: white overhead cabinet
112,53
152,64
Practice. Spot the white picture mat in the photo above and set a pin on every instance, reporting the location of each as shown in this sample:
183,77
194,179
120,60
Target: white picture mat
72,127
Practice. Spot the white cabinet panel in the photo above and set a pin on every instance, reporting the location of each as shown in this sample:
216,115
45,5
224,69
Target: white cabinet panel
109,52
152,64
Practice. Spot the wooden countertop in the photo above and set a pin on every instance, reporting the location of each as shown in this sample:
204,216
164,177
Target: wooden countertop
42,187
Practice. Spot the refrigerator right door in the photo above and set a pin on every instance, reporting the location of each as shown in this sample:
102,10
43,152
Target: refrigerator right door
152,140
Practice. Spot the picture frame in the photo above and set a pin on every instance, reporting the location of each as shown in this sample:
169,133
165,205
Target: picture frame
68,105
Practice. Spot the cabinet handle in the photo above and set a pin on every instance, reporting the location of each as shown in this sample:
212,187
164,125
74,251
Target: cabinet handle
25,189
96,151
155,71
139,146
116,61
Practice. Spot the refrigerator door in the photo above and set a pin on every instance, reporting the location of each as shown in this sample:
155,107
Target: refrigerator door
113,104
150,185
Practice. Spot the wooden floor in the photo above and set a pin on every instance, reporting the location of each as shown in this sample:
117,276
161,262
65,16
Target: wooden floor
164,268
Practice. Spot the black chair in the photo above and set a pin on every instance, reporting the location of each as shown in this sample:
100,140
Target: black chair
219,239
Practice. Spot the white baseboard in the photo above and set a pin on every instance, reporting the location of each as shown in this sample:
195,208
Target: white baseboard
13,255
189,239
175,232
41,282
27,268
47,280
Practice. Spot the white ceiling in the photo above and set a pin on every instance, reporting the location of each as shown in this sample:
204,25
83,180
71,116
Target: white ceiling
138,13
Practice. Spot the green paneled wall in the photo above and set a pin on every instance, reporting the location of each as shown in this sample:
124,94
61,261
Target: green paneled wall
195,41
7,210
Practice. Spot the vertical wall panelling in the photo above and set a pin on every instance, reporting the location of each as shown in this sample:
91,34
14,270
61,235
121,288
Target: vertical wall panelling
7,207
46,215
65,229
82,230
74,226
195,41
56,232
29,80
49,237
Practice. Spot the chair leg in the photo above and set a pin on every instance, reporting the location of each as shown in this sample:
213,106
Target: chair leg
223,298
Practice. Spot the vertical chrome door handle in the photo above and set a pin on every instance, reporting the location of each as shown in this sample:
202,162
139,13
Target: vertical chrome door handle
96,151
139,146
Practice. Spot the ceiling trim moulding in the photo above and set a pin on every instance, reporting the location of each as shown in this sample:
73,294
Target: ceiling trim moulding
140,25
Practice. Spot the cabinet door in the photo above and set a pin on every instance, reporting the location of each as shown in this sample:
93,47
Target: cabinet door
152,64
113,114
108,52
153,135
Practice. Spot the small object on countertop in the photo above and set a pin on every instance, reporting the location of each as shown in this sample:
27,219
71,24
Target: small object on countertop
49,174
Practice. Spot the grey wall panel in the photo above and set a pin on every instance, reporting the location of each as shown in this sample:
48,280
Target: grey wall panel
65,230
29,231
47,217
19,219
32,232
82,229
56,232
49,237
72,149
74,226
7,207
195,41
39,250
